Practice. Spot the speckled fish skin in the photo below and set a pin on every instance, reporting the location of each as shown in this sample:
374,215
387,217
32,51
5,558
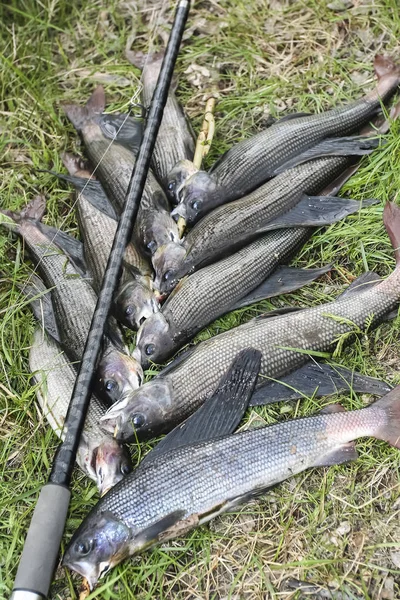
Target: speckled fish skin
255,160
114,164
134,299
73,297
187,487
234,224
74,301
98,231
210,292
174,140
172,396
99,455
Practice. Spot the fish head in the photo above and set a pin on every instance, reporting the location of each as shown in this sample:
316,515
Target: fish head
167,262
158,229
134,304
142,414
118,374
196,198
99,544
104,461
112,462
177,177
154,341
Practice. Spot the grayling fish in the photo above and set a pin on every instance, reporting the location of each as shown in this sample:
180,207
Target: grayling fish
74,301
285,343
174,140
184,488
134,300
223,286
286,201
154,226
290,141
100,457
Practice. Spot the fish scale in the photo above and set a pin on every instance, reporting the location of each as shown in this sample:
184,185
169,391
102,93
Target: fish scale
48,362
174,141
285,342
276,144
74,299
234,223
98,231
311,329
198,478
256,260
115,173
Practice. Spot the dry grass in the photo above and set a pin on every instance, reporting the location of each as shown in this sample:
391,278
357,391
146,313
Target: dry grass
337,528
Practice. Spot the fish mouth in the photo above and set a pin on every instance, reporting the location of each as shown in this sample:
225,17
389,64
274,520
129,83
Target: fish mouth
92,573
179,211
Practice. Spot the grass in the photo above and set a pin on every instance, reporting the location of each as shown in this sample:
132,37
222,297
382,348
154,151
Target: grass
336,528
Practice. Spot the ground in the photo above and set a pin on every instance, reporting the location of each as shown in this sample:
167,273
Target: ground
336,528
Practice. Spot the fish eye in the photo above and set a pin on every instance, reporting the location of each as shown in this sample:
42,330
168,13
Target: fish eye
196,204
125,469
138,420
150,349
83,548
168,275
152,246
171,186
129,310
111,385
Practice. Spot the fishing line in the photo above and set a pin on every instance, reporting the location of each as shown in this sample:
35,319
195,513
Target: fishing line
42,544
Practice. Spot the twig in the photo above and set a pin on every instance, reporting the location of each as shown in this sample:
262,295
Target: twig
203,145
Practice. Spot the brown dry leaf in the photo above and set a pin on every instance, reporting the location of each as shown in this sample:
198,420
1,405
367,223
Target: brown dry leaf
198,75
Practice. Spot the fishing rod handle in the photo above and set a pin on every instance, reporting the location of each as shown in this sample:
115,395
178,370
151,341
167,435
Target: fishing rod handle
38,561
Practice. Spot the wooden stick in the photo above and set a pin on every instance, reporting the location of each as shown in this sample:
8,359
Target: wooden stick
203,145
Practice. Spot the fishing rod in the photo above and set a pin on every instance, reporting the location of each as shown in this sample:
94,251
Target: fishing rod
42,544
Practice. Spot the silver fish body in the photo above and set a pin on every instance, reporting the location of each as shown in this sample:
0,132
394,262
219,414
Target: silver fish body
174,140
210,292
232,225
183,488
253,161
285,342
115,164
98,231
99,455
134,299
74,301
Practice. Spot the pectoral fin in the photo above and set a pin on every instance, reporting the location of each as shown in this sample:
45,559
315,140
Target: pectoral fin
317,379
344,146
40,301
223,411
72,247
316,211
282,281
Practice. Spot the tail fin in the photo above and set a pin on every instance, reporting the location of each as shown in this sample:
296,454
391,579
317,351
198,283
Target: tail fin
391,220
390,430
138,59
80,115
35,209
76,166
388,74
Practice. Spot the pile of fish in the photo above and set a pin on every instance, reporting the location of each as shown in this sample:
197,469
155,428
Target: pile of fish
247,218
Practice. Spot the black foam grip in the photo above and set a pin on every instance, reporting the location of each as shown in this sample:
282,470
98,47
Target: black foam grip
38,560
